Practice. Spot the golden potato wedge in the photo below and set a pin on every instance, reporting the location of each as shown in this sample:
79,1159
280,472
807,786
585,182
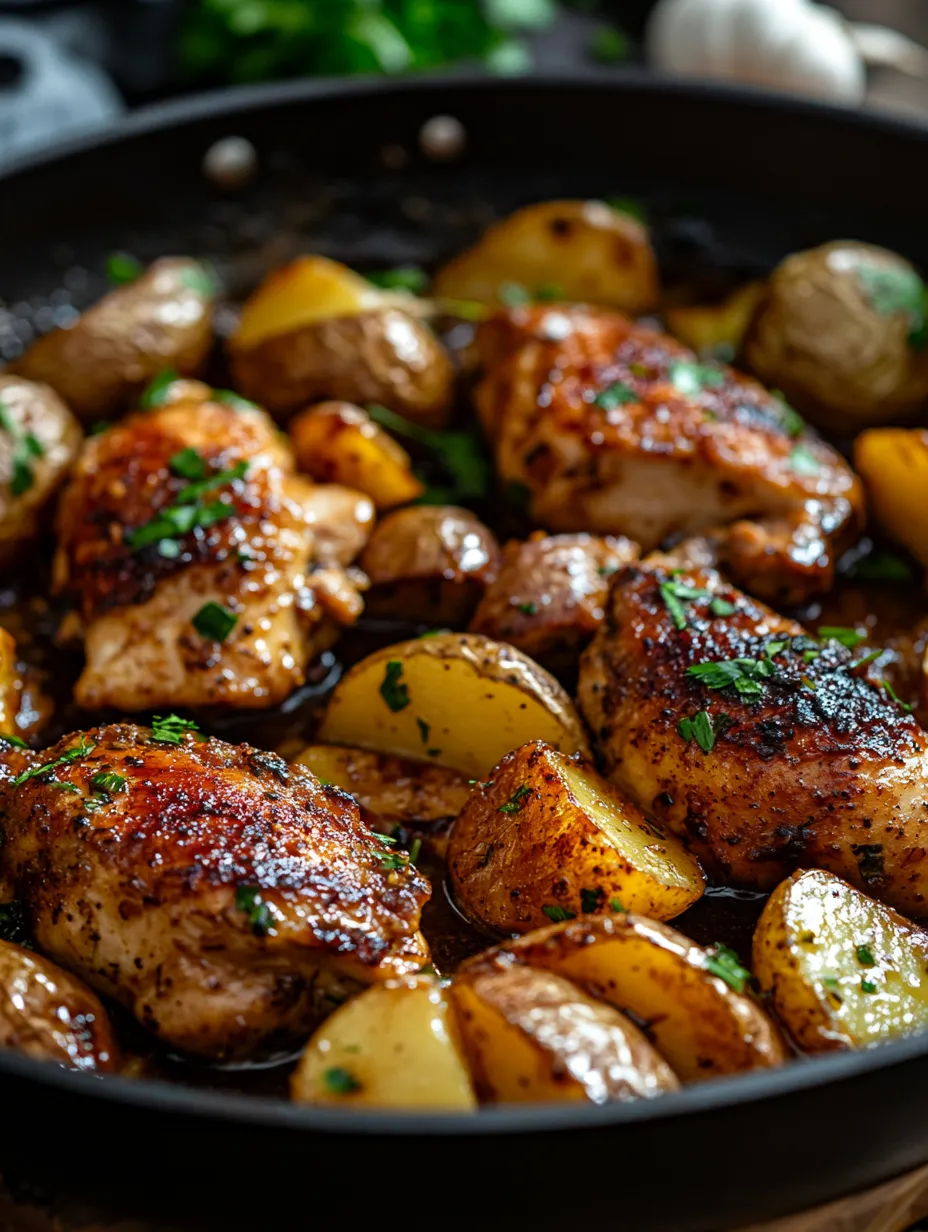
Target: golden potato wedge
315,329
429,563
102,362
463,700
583,251
841,970
893,463
39,442
47,1013
392,1046
688,997
532,1037
707,327
548,838
336,442
549,594
396,789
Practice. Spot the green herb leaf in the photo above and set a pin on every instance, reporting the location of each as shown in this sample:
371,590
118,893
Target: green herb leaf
516,801
194,491
188,464
743,675
528,609
121,268
108,784
839,633
81,749
867,985
514,295
721,607
674,594
414,849
895,289
590,900
393,691
727,966
26,447
248,900
16,741
628,205
803,461
557,914
615,905
196,278
340,1081
402,278
187,510
866,660
170,729
424,730
865,956
549,292
892,693
155,394
692,378
615,395
234,401
702,729
214,622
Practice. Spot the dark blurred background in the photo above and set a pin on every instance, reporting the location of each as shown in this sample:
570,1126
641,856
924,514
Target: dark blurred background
67,65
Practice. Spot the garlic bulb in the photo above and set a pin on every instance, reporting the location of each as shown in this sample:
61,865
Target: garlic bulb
783,44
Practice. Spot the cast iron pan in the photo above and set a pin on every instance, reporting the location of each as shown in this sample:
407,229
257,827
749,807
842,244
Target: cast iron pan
734,181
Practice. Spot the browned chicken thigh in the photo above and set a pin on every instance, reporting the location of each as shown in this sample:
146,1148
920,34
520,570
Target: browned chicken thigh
766,749
617,429
203,570
216,892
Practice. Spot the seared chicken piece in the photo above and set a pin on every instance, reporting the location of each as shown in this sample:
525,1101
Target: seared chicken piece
203,570
766,749
213,890
617,429
39,441
47,1013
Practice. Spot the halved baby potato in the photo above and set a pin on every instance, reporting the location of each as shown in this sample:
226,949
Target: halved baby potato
893,463
461,699
102,362
315,329
708,327
429,564
336,442
841,970
392,1046
584,251
532,1037
548,838
688,998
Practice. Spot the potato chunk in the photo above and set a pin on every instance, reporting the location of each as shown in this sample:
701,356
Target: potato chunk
336,442
549,838
393,1046
583,251
429,563
463,700
315,329
893,463
531,1037
697,1019
841,970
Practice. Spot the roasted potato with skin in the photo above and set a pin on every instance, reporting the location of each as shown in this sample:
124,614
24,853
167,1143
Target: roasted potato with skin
841,331
101,363
336,442
547,837
49,1014
548,594
463,700
841,970
893,463
696,1018
708,327
532,1037
429,563
393,1046
39,442
583,251
315,329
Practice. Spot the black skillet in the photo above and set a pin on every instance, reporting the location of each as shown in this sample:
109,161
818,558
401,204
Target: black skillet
733,180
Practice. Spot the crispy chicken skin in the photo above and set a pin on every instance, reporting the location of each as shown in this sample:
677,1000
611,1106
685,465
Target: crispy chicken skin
47,1013
272,552
817,768
215,893
618,429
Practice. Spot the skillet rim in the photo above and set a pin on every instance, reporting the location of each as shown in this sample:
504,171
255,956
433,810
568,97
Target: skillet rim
201,1104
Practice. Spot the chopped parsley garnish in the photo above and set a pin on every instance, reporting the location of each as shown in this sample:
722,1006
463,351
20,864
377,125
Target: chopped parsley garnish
516,801
674,594
214,622
727,966
198,279
628,205
248,900
590,900
414,848
615,395
108,784
866,660
188,464
898,700
803,461
64,785
170,729
891,289
691,377
703,729
721,607
390,861
26,448
616,905
839,633
528,609
16,741
393,691
187,510
81,749
156,392
557,914
193,491
867,985
402,278
121,268
340,1081
743,675
513,295
459,455
234,401
424,730
865,956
